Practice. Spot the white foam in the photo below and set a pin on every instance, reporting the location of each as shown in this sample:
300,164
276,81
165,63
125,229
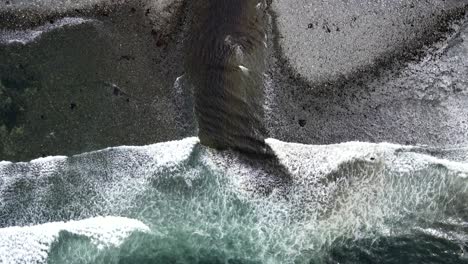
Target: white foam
50,5
415,161
305,159
355,150
352,189
374,183
26,36
164,154
110,177
244,69
31,244
48,159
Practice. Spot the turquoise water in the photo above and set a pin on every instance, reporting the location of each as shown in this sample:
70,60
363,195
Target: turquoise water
346,203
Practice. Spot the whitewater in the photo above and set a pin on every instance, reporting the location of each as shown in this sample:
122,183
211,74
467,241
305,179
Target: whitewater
180,202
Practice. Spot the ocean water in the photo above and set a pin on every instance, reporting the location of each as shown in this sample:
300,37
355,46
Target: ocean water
179,202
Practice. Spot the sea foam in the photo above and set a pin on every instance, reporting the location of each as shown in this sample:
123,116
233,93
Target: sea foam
194,198
31,244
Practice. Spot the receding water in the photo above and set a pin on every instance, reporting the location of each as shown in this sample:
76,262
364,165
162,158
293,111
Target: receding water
346,203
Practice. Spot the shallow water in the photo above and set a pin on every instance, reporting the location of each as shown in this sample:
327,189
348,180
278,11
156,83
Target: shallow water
345,203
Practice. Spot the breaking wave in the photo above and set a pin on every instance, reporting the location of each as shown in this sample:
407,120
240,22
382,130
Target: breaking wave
346,203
